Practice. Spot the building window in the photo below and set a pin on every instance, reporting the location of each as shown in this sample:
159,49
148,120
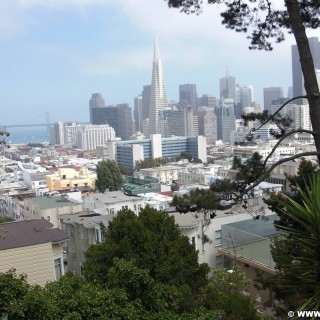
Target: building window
217,237
58,268
97,235
219,261
48,218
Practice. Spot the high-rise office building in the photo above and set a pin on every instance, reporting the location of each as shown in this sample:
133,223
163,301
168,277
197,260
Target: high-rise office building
271,94
96,101
226,120
188,95
124,129
117,116
228,88
158,97
297,77
138,112
207,124
57,133
207,100
146,101
246,95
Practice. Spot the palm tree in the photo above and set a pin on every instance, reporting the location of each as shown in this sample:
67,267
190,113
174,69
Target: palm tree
297,251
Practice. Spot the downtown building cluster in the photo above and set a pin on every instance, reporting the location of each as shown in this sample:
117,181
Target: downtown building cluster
51,190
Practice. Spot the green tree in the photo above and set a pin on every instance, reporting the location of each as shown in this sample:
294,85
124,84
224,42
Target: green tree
302,180
224,291
250,170
13,287
186,155
296,252
154,242
108,176
3,136
151,163
5,219
155,245
199,200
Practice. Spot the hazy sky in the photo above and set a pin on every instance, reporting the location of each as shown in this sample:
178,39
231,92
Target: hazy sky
56,53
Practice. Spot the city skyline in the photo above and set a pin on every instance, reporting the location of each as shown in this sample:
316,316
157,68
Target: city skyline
55,55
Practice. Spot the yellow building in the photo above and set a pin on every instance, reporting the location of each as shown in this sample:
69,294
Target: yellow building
32,247
69,178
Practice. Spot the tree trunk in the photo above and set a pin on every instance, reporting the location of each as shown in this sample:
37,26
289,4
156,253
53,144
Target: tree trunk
307,66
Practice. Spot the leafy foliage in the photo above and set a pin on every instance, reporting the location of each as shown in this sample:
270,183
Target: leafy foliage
224,291
3,136
259,19
296,253
154,243
302,180
152,273
197,200
151,163
250,170
5,219
108,176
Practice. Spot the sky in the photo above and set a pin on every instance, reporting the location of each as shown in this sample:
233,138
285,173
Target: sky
56,53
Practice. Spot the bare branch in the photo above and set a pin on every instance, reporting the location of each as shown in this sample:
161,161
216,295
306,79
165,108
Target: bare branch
280,108
284,137
267,172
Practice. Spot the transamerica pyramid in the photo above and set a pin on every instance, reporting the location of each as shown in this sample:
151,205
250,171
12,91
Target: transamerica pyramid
158,97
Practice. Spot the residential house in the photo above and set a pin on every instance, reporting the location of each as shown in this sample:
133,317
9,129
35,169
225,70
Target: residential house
111,202
83,230
50,208
33,247
70,178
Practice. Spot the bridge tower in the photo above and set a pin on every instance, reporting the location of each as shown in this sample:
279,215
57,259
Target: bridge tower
48,124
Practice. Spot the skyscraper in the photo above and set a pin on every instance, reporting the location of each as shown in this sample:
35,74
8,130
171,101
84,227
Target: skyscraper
188,95
138,113
297,77
146,101
226,120
270,94
117,116
207,122
228,88
96,101
207,100
246,95
158,97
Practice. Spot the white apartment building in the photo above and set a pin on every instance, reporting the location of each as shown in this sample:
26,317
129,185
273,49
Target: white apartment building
111,202
70,134
246,152
91,136
165,174
34,176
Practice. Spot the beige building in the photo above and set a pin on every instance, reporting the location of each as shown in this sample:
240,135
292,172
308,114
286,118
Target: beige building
69,178
50,208
32,247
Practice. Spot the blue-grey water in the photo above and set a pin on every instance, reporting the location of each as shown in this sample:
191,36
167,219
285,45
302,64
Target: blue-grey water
27,135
